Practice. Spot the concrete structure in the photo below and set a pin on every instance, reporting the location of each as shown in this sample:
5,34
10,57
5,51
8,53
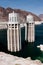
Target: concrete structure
13,33
30,28
14,17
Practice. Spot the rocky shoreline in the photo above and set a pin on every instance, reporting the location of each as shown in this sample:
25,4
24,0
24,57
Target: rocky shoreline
7,59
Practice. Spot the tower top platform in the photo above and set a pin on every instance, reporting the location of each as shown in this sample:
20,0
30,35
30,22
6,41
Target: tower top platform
13,22
13,14
14,17
30,18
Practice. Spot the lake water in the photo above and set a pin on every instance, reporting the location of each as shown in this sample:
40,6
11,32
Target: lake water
28,50
39,34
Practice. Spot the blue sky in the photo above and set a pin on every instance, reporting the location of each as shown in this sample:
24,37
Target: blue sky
35,6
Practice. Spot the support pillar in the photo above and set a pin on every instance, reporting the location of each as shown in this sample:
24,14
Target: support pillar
11,38
18,38
14,39
8,38
26,31
30,28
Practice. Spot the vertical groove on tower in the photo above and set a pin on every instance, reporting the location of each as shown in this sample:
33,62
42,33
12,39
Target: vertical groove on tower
20,37
26,32
8,38
16,36
14,40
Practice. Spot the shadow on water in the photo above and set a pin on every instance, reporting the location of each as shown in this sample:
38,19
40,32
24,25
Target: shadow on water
28,49
3,40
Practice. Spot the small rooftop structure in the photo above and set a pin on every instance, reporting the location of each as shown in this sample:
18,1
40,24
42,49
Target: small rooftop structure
30,18
13,17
